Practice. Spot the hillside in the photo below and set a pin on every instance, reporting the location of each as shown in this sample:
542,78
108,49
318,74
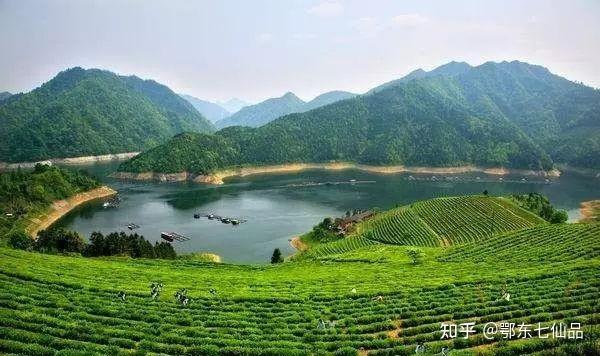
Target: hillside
271,109
4,95
92,112
213,112
491,115
25,195
440,222
263,112
368,300
233,105
450,69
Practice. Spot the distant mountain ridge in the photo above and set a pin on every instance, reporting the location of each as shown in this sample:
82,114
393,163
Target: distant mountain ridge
506,114
83,112
5,95
273,108
234,105
213,112
448,70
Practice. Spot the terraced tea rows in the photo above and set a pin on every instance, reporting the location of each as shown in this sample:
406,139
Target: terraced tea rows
562,242
355,295
41,318
471,218
400,226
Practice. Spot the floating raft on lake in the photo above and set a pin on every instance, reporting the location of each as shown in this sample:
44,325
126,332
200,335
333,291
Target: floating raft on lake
173,236
223,219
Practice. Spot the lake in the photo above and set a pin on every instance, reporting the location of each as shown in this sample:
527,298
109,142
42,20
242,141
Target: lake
278,207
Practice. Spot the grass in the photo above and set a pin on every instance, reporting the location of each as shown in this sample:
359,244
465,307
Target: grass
376,300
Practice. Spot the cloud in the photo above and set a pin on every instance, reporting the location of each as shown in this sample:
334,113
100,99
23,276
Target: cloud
368,26
326,9
409,20
304,36
265,37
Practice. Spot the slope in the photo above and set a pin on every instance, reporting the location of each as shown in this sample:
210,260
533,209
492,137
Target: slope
271,109
371,299
423,122
263,112
91,112
213,112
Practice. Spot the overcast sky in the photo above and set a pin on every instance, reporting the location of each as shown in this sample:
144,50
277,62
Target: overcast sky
257,49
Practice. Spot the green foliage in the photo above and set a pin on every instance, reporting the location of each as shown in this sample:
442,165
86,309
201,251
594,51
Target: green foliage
59,240
90,112
277,257
164,250
499,114
121,244
20,240
540,205
30,192
416,256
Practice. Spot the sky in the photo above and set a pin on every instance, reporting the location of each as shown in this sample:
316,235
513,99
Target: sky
216,50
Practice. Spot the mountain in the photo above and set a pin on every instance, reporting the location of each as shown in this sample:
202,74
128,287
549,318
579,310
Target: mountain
271,109
4,95
211,111
327,98
448,70
263,112
90,112
509,114
234,105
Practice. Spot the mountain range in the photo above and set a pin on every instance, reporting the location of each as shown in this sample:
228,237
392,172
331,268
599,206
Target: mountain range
213,112
90,112
233,105
509,114
271,109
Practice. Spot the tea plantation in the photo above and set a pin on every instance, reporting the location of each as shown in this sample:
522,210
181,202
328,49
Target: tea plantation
484,260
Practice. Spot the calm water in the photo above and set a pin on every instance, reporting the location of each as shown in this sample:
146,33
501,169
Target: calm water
279,207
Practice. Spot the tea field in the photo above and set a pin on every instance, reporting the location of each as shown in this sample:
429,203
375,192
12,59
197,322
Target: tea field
359,295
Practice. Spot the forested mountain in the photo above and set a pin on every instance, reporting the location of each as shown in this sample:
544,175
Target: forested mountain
471,118
449,69
90,112
234,105
211,111
271,109
263,112
4,95
327,98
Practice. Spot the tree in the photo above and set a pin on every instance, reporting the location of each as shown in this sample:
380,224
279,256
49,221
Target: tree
164,250
20,240
559,217
59,240
416,256
277,257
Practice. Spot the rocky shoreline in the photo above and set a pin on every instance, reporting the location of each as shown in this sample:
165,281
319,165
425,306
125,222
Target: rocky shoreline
5,166
219,176
60,208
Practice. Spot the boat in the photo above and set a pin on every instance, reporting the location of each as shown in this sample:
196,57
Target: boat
225,220
210,216
173,236
235,222
133,226
166,236
196,216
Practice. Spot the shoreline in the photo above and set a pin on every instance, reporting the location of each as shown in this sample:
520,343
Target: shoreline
219,176
6,166
297,244
60,208
590,211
